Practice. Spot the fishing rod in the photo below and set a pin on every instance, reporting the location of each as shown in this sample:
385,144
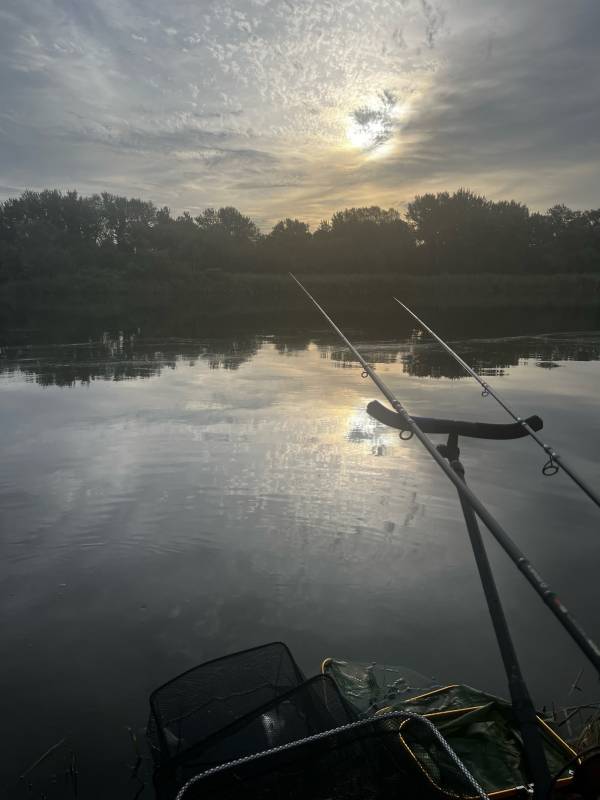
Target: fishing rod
587,646
521,699
555,461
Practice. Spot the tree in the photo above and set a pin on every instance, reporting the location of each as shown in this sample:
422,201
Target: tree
366,239
230,223
286,247
290,232
465,232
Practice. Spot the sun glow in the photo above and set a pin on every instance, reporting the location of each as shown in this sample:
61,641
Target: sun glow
365,136
371,125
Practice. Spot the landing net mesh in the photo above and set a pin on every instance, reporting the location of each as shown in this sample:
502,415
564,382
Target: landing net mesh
250,726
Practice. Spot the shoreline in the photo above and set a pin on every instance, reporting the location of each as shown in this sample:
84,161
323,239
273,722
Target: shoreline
215,303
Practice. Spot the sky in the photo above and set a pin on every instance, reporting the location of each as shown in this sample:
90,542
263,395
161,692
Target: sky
301,107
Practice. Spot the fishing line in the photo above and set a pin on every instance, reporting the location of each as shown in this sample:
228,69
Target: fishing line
555,461
579,636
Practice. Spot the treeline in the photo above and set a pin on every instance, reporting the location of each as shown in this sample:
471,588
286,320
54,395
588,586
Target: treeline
51,234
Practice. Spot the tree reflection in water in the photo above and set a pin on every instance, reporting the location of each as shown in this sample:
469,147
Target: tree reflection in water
143,353
118,357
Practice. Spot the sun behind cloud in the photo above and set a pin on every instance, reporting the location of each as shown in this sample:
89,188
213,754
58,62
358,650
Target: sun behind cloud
371,125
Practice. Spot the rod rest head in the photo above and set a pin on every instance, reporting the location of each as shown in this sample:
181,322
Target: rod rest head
474,430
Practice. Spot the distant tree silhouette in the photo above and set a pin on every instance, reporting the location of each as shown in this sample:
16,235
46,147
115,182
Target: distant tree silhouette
290,232
464,232
287,247
51,241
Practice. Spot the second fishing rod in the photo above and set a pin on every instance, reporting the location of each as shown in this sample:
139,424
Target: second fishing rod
555,460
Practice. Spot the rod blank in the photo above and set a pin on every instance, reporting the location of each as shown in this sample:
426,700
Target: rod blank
554,457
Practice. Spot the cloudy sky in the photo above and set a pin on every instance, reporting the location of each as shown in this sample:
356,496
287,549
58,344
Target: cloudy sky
301,107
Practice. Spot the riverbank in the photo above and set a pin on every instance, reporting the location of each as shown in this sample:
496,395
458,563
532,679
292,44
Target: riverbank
217,298
215,290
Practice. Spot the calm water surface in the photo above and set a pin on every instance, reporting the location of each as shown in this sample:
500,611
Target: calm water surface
168,501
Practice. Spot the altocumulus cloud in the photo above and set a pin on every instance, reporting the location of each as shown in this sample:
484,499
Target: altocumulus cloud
252,102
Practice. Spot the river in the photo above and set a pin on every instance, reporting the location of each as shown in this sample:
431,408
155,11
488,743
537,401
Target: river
168,500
